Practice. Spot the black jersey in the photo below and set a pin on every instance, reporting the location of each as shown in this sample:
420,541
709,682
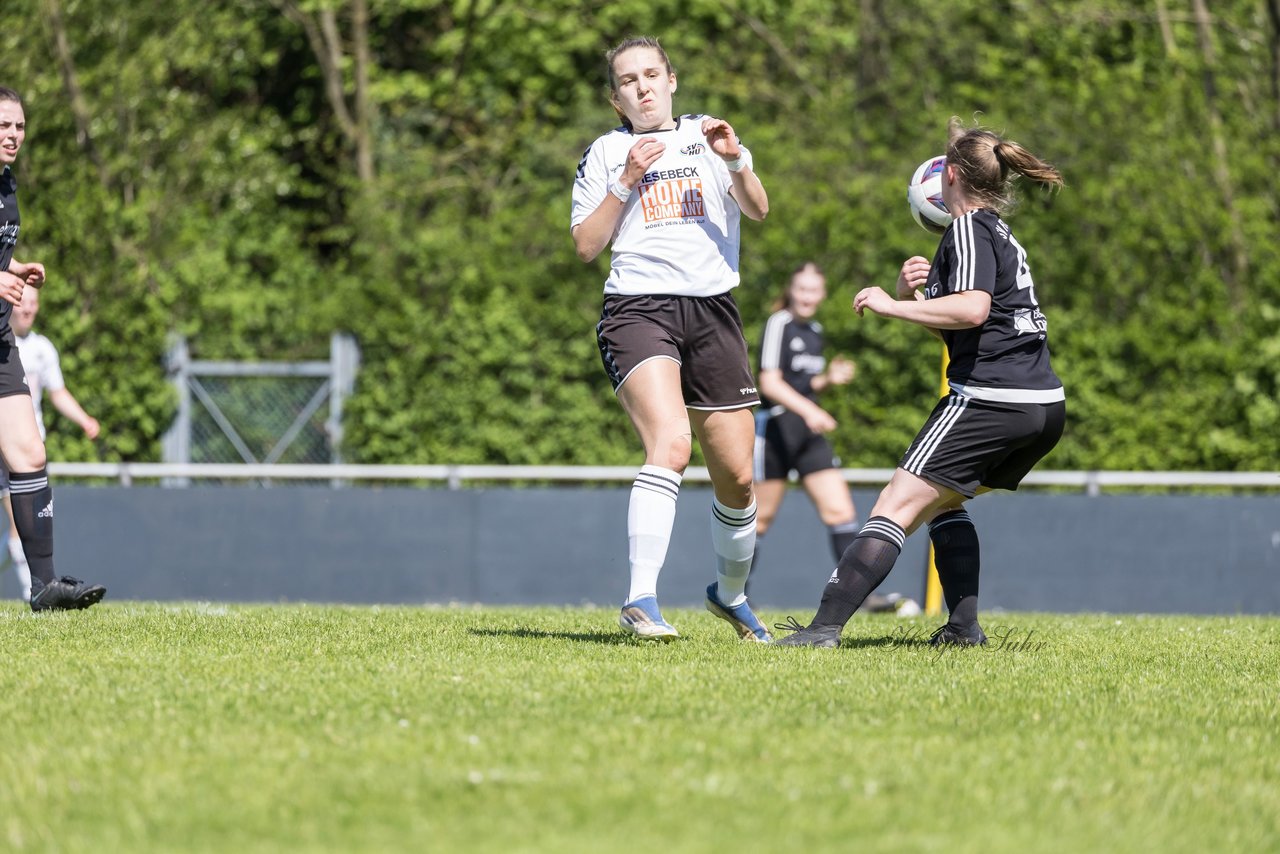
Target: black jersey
8,217
1007,357
8,240
795,348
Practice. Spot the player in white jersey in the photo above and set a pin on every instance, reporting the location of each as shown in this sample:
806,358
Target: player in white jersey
43,373
1005,408
667,191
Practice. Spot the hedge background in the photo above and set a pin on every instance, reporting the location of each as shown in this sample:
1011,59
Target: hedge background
257,173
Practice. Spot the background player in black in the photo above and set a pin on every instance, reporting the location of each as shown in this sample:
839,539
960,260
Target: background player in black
791,424
20,440
1005,409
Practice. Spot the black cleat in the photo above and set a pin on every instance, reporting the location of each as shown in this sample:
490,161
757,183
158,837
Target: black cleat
949,635
824,637
65,594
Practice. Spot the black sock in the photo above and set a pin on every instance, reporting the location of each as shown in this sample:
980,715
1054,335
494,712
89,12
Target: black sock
842,536
33,517
958,558
862,568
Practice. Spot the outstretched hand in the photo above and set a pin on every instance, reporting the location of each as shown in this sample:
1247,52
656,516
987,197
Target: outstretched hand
841,371
875,299
819,420
721,138
30,273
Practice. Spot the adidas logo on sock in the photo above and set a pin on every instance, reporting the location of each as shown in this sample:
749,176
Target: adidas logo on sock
47,512
835,576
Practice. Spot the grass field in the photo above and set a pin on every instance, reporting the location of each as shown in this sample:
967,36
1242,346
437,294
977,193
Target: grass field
136,727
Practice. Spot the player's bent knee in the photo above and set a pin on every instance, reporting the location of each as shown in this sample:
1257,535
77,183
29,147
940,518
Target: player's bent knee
676,456
28,458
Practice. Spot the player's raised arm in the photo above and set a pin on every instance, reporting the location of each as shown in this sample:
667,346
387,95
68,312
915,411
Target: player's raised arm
593,234
747,190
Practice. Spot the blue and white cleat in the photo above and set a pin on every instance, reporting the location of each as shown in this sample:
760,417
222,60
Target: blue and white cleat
643,619
747,625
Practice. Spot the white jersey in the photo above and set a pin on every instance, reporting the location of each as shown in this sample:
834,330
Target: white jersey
678,234
40,361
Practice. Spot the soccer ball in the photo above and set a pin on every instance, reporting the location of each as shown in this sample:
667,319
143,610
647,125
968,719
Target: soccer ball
924,195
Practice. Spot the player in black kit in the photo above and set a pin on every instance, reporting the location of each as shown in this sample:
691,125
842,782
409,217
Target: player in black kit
1005,408
791,426
20,440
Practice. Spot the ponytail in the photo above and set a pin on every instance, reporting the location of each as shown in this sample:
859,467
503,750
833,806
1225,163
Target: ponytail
1015,157
986,165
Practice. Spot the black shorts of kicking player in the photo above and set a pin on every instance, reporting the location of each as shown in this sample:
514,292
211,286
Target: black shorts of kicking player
13,379
703,335
968,443
784,444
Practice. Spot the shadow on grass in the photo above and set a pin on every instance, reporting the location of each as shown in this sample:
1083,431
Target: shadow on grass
608,638
883,640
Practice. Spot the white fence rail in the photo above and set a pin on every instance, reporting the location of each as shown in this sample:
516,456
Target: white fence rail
455,476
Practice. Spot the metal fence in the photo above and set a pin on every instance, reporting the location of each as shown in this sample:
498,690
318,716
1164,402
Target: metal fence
260,412
456,476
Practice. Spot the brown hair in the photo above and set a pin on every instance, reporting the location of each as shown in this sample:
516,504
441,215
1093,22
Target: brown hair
621,48
987,164
783,300
7,94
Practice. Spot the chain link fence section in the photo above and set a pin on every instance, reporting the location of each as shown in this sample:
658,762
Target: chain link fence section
260,412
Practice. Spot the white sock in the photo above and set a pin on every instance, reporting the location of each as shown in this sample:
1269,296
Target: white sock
650,516
20,567
733,536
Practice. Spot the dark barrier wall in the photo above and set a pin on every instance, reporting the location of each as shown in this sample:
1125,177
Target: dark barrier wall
568,546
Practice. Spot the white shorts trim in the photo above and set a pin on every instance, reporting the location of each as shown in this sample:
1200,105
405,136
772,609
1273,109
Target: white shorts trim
916,463
1010,395
645,361
724,408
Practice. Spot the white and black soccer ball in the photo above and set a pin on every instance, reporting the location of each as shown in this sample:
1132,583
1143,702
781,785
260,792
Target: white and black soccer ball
924,195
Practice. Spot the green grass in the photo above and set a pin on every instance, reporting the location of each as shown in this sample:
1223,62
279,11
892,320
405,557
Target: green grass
136,727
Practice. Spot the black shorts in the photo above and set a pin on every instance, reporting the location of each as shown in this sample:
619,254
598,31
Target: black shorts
785,444
703,335
13,378
968,443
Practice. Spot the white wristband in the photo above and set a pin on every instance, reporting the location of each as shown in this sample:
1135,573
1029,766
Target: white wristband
620,192
735,165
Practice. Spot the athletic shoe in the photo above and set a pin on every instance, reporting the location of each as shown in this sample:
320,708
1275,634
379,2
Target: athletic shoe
747,625
643,619
65,594
949,635
824,637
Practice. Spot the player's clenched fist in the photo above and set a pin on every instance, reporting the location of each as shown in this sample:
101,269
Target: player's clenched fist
642,155
915,272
